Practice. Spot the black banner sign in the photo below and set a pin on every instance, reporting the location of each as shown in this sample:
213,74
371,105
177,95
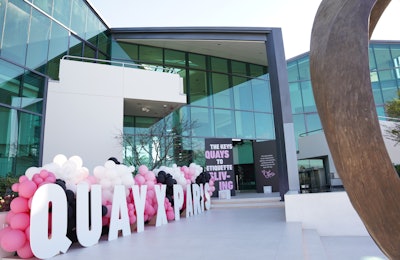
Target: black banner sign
219,164
265,165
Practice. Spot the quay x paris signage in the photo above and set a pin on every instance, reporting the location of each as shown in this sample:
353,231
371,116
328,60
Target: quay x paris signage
48,231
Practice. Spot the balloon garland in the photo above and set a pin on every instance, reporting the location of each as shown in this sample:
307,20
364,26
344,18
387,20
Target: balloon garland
69,172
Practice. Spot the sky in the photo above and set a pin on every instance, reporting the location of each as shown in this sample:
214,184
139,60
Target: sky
294,17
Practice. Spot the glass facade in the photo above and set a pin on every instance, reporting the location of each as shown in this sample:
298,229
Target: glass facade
34,36
226,98
384,62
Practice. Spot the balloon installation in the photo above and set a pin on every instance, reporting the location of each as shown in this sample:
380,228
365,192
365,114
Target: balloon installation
69,172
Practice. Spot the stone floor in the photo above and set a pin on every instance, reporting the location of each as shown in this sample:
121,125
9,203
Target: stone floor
229,233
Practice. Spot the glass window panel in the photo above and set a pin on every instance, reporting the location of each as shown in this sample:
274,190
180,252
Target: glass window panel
204,122
304,68
224,123
245,125
243,93
78,17
16,31
198,151
262,100
32,92
293,72
58,47
89,52
183,73
295,98
124,51
28,141
389,90
92,28
222,93
150,54
75,47
38,44
104,43
265,128
198,94
62,11
308,97
238,68
377,92
381,112
372,62
176,58
383,57
7,149
396,59
197,61
386,75
3,5
313,123
10,81
299,126
45,5
219,65
257,70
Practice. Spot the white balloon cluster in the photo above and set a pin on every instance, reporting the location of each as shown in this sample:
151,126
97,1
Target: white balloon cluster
70,170
112,174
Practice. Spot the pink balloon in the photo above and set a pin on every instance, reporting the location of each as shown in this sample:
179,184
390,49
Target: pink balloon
23,178
9,216
50,179
25,251
37,179
143,169
15,240
28,233
149,176
27,189
19,204
150,184
15,187
4,231
170,215
43,174
139,179
150,194
20,221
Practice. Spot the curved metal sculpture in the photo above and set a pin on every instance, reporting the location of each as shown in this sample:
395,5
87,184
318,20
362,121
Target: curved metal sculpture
342,88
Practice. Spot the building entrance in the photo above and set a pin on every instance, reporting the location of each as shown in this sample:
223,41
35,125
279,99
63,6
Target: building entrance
244,165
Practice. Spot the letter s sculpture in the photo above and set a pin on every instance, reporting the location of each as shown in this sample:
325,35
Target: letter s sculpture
341,82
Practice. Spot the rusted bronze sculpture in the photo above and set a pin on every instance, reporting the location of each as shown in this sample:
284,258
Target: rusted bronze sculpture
342,88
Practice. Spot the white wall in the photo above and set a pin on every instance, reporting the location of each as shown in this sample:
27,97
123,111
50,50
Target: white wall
84,110
330,213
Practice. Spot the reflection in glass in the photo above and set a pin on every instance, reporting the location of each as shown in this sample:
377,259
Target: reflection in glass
245,125
265,128
243,93
222,93
224,123
204,122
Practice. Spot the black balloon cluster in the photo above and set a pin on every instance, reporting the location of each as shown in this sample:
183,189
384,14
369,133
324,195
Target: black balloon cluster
167,179
203,178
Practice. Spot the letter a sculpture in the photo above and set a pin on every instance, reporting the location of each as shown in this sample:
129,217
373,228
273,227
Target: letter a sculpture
342,88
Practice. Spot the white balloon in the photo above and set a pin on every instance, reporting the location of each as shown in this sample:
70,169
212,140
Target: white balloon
77,160
60,159
31,171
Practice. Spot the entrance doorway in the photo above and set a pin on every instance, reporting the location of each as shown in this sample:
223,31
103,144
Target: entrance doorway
244,165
